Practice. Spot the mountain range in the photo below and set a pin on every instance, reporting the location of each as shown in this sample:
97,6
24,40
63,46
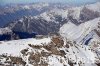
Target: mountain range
64,37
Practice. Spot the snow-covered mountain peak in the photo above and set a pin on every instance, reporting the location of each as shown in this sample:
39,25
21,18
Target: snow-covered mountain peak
37,6
76,44
75,12
19,45
52,14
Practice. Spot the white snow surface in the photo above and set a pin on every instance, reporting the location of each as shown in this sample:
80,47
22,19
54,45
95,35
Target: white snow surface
78,32
94,7
4,30
14,47
76,53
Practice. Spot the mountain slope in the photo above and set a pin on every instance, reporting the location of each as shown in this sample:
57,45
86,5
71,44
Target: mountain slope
14,12
82,32
48,52
5,31
77,45
52,20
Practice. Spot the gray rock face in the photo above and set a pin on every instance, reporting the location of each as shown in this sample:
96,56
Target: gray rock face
40,26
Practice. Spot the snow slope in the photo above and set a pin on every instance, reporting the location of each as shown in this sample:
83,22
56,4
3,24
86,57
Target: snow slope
51,54
79,32
14,47
69,49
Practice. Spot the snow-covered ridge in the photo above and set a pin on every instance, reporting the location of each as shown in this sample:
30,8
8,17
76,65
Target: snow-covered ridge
14,47
55,17
51,15
37,6
67,49
52,51
81,14
79,32
5,30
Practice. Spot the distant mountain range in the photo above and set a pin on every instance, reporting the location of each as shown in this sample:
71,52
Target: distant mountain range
51,21
12,12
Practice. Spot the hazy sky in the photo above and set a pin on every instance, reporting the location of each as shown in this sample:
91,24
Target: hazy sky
63,1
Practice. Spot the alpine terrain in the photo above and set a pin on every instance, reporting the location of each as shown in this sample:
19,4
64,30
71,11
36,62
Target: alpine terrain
62,36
